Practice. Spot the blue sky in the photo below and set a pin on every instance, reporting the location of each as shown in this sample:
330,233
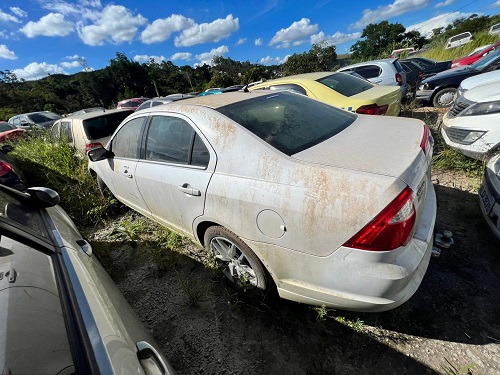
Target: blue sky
41,37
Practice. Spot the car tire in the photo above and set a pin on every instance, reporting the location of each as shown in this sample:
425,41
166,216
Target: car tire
444,98
236,260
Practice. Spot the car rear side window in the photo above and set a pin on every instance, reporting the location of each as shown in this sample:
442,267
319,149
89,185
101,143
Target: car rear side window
173,140
289,122
126,142
368,71
345,84
22,214
66,131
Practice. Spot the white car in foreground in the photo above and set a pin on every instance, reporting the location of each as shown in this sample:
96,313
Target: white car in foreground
286,192
480,79
471,125
489,194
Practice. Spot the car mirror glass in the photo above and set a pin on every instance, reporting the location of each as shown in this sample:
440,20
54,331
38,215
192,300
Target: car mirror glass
43,196
98,153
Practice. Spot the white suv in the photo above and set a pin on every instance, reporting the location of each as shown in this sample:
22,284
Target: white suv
386,72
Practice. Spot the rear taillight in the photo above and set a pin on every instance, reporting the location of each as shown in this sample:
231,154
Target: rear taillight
372,109
425,145
391,228
4,168
90,146
399,79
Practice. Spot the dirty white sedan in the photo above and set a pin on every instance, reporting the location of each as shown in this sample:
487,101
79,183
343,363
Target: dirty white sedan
287,192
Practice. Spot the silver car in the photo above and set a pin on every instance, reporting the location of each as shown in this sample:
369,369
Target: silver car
386,72
286,192
60,312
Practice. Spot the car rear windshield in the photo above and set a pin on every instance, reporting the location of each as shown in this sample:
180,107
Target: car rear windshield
38,118
289,122
104,126
346,84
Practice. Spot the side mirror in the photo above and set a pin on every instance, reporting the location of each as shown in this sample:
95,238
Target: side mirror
43,196
98,154
5,149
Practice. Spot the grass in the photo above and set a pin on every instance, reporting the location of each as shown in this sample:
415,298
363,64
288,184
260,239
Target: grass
355,324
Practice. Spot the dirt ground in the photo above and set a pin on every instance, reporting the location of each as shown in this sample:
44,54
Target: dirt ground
450,326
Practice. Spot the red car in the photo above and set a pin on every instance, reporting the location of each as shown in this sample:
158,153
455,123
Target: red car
131,103
472,58
9,132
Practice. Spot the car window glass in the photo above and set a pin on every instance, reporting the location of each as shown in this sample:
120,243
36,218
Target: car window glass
105,125
13,209
6,127
346,84
200,155
126,142
169,139
288,121
289,86
66,131
398,66
368,71
55,131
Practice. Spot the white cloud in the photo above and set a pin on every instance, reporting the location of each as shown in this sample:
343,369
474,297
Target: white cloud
444,3
269,60
18,11
425,28
53,24
241,41
282,61
181,56
115,25
38,70
147,58
384,12
258,42
496,5
74,57
334,39
5,53
295,34
70,65
4,17
206,58
208,32
161,29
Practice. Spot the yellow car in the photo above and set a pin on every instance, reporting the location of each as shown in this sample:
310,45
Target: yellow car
342,90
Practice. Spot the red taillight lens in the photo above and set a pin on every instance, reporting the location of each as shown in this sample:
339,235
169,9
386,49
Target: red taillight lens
4,168
391,228
399,79
425,144
90,146
372,109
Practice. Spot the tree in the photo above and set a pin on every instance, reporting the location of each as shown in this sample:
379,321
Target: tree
377,37
321,57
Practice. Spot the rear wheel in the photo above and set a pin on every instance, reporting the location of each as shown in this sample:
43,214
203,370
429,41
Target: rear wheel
103,188
444,98
236,260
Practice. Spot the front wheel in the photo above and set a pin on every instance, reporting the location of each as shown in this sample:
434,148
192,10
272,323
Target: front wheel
444,98
236,260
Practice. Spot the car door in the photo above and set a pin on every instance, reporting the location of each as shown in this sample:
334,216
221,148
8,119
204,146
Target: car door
118,172
174,174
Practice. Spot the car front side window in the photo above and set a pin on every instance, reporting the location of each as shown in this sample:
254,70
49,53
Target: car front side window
126,142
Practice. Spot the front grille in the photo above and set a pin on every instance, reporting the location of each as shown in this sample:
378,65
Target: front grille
459,106
456,135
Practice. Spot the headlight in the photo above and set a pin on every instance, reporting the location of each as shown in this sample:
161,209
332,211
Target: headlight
472,137
482,109
424,86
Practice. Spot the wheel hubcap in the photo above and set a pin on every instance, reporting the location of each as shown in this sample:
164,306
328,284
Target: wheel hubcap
233,263
447,98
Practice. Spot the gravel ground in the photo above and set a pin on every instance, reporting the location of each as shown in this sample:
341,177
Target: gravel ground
450,326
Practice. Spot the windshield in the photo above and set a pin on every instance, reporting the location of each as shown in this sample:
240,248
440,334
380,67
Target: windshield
289,122
346,84
38,118
486,60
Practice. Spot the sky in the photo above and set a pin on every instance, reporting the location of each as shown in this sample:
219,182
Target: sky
42,37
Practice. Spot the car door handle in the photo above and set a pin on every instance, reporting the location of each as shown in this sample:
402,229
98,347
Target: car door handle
150,359
187,189
126,172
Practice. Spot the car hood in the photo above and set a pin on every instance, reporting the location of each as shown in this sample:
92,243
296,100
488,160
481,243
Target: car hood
376,144
484,93
481,79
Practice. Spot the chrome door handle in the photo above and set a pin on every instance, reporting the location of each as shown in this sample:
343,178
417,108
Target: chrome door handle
148,356
187,189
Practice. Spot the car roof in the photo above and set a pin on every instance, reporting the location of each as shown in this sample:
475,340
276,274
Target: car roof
379,61
304,76
88,115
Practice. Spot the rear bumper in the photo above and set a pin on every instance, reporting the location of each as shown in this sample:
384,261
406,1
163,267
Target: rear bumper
355,280
490,190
